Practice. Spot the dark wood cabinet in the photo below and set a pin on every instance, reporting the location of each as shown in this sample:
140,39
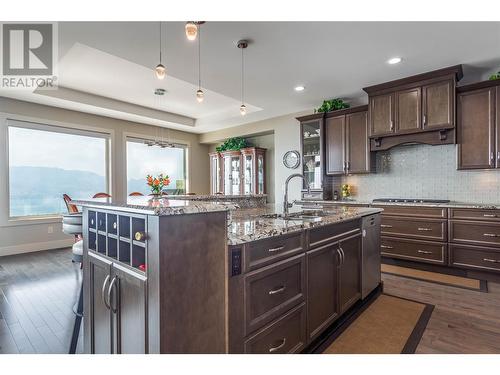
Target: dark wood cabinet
477,134
349,272
408,110
381,114
438,105
418,109
335,145
216,186
347,147
322,288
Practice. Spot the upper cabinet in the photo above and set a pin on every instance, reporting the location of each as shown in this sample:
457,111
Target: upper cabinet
312,139
238,172
478,130
418,109
346,141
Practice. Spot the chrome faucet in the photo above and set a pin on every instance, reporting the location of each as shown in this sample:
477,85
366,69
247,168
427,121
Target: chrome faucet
287,205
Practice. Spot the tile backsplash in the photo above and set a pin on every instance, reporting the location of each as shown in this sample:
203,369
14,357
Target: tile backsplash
422,171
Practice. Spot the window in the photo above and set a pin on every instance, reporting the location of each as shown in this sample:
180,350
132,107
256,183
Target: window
46,162
143,160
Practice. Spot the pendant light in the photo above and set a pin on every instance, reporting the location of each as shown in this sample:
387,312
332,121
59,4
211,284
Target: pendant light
160,70
243,44
199,94
191,29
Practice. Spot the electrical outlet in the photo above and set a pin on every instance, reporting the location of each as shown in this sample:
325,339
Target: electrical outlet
50,229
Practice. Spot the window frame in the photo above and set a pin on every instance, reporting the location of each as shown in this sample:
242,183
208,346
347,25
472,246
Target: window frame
131,137
58,129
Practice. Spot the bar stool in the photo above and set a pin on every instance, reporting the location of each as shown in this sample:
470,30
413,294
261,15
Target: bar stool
72,224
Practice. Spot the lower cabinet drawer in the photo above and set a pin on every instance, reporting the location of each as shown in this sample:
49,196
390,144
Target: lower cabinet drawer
425,229
477,258
284,336
272,290
424,251
475,233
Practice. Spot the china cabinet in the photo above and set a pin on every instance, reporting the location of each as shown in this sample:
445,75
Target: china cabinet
240,172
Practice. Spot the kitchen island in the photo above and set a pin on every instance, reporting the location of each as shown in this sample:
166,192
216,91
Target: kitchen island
175,276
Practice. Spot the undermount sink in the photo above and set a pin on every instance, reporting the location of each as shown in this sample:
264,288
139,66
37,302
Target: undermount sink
302,215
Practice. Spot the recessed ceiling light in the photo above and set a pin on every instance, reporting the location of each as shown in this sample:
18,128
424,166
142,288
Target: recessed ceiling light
394,60
300,88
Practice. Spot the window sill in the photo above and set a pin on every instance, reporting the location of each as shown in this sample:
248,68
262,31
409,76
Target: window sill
34,220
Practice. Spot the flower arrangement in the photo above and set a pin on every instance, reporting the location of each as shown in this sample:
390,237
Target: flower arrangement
157,183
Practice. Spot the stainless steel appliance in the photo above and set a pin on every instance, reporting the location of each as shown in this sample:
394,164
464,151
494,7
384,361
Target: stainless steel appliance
370,254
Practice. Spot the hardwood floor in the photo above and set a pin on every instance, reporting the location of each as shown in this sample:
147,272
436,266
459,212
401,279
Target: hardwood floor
463,321
37,294
38,291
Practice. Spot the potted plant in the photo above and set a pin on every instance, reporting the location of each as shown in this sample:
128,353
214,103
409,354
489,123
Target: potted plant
332,105
232,144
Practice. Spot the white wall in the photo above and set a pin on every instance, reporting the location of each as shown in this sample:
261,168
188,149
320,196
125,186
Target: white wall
32,235
286,137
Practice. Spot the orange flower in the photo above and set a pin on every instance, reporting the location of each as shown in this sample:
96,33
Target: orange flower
166,181
156,182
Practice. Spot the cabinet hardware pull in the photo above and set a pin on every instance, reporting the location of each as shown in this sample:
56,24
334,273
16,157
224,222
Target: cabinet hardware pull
392,125
348,164
490,235
492,158
114,225
281,289
498,156
102,292
140,236
425,119
274,249
489,215
343,254
424,252
425,229
491,260
276,348
386,247
386,226
111,286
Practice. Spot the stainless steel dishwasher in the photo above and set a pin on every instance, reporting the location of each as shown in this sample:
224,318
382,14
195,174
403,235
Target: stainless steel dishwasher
370,254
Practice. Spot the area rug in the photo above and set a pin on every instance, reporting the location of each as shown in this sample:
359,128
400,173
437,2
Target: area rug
389,325
434,277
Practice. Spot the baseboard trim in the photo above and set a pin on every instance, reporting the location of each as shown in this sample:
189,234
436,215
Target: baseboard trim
37,246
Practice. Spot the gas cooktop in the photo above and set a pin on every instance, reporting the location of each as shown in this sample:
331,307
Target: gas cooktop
411,200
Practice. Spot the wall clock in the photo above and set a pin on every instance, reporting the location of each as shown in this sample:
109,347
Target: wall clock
291,159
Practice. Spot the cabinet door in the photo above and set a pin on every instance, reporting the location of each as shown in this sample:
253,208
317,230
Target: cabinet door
381,114
128,304
98,316
322,288
497,125
350,274
215,174
408,109
357,144
335,145
439,104
248,174
261,174
476,129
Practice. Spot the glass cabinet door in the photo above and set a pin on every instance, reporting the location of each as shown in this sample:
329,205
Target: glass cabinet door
260,174
311,152
235,175
248,174
227,176
215,180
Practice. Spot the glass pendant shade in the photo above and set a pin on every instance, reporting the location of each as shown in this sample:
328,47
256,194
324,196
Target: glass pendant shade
200,95
191,30
243,110
160,71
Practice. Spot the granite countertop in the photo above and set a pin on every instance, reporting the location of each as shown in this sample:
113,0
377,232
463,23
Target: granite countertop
215,197
451,204
157,206
246,225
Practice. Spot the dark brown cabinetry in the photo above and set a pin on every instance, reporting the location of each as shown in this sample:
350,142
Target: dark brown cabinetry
478,136
347,147
322,288
349,271
289,289
420,109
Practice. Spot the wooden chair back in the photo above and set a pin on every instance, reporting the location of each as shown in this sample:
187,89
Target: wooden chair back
101,195
72,209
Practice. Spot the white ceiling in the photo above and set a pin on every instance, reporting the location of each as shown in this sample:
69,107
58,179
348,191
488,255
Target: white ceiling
106,67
